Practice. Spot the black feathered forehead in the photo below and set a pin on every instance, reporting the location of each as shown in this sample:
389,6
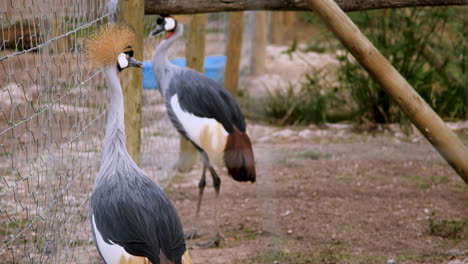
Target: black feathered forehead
160,19
129,51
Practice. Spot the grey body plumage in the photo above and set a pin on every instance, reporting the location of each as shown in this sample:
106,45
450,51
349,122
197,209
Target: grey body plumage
126,207
191,100
197,94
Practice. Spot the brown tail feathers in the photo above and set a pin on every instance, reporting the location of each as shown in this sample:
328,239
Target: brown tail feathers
239,157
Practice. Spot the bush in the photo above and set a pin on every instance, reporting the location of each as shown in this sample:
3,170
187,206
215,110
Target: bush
310,104
421,43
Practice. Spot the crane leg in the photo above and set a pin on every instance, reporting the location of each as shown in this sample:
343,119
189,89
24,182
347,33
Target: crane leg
201,186
215,241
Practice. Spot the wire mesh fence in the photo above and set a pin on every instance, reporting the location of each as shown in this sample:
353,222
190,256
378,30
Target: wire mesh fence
52,119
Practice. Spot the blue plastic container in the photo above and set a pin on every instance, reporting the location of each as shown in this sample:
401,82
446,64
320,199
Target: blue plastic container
214,69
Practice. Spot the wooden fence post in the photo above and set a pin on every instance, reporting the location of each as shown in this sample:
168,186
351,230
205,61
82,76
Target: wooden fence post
195,55
277,27
425,119
259,43
289,21
132,14
465,33
233,51
282,27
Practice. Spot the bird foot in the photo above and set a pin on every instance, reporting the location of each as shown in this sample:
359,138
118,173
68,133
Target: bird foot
215,242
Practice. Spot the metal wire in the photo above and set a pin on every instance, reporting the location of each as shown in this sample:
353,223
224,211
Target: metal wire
52,109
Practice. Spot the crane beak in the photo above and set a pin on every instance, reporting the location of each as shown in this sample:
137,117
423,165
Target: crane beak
134,63
158,30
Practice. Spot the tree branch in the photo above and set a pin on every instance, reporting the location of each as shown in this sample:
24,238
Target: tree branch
174,7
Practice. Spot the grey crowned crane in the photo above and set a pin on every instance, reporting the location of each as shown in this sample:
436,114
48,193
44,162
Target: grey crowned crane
197,106
132,219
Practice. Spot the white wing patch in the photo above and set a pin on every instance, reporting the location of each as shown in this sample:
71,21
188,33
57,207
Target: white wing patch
196,127
112,253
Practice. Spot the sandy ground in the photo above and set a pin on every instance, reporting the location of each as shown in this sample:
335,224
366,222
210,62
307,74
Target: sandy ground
329,195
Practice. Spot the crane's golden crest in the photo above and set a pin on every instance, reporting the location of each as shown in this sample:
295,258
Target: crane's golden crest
104,45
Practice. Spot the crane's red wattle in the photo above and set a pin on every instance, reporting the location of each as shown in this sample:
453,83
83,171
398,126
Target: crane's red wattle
169,34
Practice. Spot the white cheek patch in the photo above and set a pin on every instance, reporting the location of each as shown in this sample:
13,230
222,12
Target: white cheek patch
122,59
170,24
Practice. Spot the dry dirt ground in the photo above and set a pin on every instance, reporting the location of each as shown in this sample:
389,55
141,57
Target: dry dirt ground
331,195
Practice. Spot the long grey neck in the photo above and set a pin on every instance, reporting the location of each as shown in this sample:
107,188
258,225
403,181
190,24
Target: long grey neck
161,64
114,142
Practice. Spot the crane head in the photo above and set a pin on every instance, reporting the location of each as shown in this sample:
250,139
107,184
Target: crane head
126,60
110,46
164,23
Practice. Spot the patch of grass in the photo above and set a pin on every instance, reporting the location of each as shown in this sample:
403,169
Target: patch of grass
166,183
8,227
312,155
462,187
77,243
177,178
156,134
93,150
311,103
5,154
331,255
5,172
242,234
16,224
463,136
423,258
282,257
426,182
169,182
452,229
439,179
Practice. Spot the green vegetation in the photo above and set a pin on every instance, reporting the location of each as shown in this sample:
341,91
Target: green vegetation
312,155
331,255
156,134
335,254
307,105
8,227
282,257
463,136
453,229
423,44
423,258
462,187
5,154
168,183
427,182
242,234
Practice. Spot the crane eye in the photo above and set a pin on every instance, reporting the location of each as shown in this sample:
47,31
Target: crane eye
170,24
